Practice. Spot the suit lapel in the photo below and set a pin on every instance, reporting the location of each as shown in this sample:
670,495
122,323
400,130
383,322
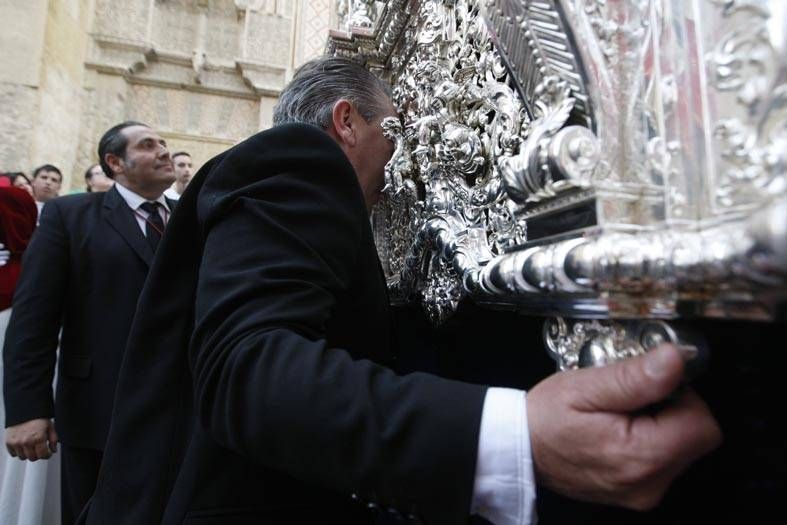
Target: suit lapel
120,216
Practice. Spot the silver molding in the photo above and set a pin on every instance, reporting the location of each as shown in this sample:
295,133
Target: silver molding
640,175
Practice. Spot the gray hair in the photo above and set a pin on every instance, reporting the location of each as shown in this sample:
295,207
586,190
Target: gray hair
320,83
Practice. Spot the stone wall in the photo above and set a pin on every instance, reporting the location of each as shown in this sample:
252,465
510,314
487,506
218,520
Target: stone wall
205,73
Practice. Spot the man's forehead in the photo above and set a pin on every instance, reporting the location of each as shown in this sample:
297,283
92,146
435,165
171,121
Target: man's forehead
138,133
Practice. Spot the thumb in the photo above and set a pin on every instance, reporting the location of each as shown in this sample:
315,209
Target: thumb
51,437
632,384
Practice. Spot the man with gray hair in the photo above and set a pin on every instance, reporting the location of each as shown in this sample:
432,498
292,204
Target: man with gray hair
257,388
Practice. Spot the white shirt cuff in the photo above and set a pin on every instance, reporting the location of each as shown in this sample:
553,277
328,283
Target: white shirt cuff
505,490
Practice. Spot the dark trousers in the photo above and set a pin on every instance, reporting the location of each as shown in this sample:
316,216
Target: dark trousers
78,475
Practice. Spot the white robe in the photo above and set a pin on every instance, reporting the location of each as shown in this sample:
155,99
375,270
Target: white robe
29,492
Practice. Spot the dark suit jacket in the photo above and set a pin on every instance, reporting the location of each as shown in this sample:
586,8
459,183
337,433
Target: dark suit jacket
280,407
83,270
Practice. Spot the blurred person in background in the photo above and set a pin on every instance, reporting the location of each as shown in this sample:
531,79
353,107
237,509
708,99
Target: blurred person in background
46,183
96,180
183,172
20,180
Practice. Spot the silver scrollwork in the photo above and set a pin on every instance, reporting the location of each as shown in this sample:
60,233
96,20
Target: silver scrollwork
587,343
638,175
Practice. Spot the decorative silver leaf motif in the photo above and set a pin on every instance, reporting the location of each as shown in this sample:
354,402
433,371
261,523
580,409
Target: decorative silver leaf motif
640,174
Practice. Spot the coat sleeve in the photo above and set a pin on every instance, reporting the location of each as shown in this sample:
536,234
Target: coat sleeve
30,350
278,255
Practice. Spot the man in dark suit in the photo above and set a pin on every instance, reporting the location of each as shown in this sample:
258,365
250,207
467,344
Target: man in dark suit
257,385
83,271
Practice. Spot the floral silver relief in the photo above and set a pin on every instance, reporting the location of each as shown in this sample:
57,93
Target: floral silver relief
636,178
745,66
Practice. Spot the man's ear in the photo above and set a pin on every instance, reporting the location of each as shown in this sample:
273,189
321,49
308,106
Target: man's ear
114,162
343,120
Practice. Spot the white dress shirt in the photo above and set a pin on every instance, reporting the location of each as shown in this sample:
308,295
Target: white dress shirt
504,492
170,193
134,202
40,207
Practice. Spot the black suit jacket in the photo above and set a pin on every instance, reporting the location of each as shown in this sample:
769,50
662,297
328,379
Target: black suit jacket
280,407
83,270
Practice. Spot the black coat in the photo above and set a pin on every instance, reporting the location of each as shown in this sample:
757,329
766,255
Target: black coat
281,406
83,270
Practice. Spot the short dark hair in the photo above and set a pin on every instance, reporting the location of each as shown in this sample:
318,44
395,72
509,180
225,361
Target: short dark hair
180,154
13,175
88,171
47,167
114,142
319,83
89,175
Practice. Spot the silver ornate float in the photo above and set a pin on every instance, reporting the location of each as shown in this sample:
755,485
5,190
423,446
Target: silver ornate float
612,164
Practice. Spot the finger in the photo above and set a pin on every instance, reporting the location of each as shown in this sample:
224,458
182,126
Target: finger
11,450
42,450
51,436
30,452
628,385
683,430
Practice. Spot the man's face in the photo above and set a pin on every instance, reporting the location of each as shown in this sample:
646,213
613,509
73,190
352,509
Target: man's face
147,167
46,185
183,169
374,152
98,180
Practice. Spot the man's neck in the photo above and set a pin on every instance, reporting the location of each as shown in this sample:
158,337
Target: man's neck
150,194
180,187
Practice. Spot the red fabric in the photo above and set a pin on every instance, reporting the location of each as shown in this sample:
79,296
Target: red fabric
18,214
